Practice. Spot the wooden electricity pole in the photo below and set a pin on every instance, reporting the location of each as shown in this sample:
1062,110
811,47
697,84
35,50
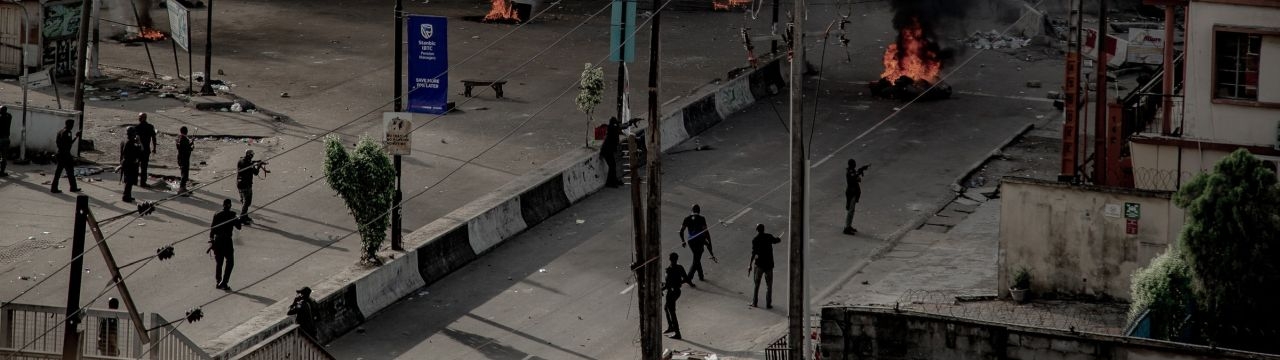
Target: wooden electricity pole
70,328
82,45
651,339
798,288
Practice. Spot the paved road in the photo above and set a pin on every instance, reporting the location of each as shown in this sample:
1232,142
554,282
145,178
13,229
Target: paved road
334,58
562,289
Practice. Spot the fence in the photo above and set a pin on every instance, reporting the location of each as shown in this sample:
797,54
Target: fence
290,343
35,332
1093,317
777,350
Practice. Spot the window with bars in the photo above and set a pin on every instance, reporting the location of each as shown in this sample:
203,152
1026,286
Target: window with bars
1237,60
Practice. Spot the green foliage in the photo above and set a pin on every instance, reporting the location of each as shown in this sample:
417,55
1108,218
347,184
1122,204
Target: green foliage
365,178
590,88
1231,243
1022,279
1163,288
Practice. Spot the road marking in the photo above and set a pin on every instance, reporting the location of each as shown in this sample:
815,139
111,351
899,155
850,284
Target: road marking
1027,98
736,216
627,290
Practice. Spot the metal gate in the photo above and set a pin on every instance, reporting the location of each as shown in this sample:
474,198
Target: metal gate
11,41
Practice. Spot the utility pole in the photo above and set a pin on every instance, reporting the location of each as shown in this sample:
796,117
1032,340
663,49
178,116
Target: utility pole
798,295
1100,160
207,88
651,339
773,30
1071,101
70,328
396,235
86,7
622,62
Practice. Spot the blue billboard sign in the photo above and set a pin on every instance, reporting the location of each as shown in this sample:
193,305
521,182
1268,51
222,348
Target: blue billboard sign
428,64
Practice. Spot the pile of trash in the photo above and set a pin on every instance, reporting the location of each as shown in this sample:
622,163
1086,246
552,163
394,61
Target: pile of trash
995,40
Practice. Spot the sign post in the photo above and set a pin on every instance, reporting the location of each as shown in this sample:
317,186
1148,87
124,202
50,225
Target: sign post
180,34
428,64
398,140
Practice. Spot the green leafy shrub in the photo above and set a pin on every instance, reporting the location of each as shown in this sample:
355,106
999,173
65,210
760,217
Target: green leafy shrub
365,179
1164,289
1022,279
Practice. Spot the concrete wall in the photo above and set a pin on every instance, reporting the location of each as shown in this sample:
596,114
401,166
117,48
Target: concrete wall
877,333
1167,167
42,127
1236,124
451,242
1072,243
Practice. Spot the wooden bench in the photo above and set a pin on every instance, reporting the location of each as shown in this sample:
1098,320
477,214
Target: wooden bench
496,85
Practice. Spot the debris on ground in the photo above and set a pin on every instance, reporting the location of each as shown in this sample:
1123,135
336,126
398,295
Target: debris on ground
995,40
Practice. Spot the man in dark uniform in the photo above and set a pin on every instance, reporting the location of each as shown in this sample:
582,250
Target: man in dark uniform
64,159
699,236
130,154
247,169
675,277
146,137
762,258
6,121
185,146
303,310
220,244
852,193
609,151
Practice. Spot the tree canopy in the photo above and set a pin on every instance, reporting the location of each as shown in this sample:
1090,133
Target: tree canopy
365,179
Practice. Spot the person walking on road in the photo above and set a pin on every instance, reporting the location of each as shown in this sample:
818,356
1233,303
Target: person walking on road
762,258
609,151
6,121
130,156
675,277
185,146
147,138
852,193
220,231
247,169
64,159
699,236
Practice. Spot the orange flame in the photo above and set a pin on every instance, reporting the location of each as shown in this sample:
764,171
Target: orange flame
150,34
729,4
502,10
913,59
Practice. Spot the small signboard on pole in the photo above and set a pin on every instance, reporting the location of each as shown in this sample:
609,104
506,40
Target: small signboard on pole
179,29
624,12
398,127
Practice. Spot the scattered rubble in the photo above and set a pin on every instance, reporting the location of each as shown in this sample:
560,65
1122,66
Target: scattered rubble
995,40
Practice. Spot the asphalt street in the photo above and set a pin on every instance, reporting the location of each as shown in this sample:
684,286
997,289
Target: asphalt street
334,58
562,289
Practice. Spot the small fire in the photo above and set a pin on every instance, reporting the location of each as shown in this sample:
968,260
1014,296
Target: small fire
150,34
727,5
502,10
911,56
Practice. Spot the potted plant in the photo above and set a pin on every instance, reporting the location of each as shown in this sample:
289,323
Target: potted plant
1021,284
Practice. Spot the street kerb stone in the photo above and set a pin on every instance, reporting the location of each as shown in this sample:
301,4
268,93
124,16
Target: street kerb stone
585,177
734,96
495,225
544,200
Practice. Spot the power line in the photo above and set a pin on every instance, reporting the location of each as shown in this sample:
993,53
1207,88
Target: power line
156,203
420,193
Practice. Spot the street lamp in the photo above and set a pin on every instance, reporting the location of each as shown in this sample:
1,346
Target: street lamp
207,88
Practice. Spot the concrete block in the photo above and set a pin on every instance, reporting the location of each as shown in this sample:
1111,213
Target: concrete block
1067,346
701,115
388,283
584,178
493,226
444,253
733,97
673,130
1035,342
943,221
542,201
966,202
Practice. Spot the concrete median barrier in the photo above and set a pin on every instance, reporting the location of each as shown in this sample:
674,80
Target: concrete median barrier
451,242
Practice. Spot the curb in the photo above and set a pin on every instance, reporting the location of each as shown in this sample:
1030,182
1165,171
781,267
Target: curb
350,297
